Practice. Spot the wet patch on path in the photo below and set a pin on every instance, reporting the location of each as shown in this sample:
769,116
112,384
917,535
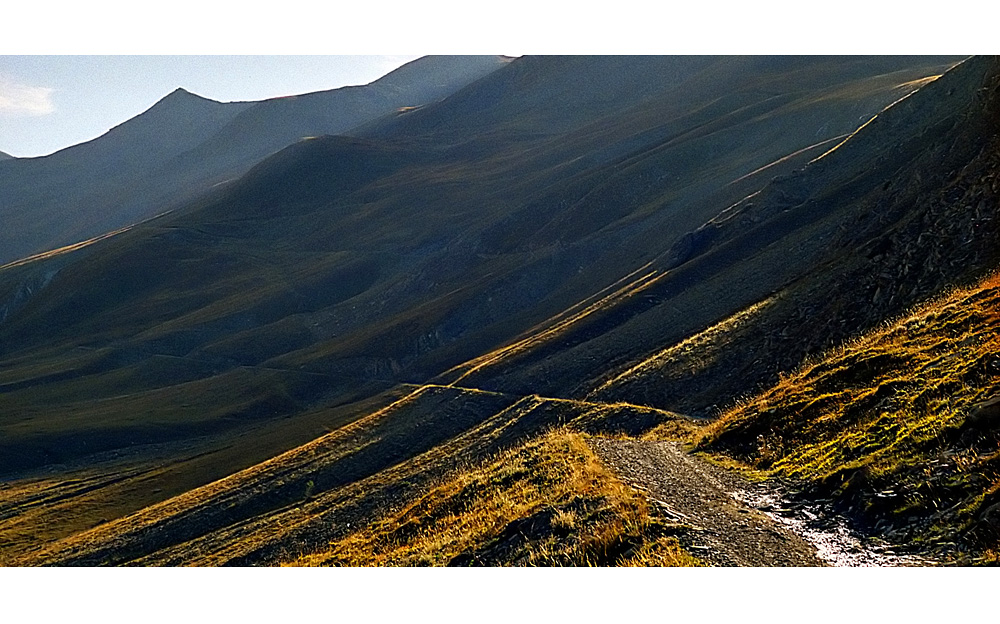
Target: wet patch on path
732,522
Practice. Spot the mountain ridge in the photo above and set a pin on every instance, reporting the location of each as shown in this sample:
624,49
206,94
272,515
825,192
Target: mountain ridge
353,287
180,147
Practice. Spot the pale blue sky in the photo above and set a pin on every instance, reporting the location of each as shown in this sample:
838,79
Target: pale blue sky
51,102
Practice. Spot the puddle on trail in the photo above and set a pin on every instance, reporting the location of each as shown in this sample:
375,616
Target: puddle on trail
835,543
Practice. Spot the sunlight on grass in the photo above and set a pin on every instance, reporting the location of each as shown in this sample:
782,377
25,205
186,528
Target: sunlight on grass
695,351
547,502
887,416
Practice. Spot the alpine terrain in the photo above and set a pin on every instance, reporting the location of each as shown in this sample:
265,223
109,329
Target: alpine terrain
535,311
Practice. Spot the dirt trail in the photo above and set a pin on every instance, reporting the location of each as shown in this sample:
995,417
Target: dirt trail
725,531
738,523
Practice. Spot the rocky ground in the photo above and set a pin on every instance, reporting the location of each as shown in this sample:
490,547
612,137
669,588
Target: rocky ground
734,522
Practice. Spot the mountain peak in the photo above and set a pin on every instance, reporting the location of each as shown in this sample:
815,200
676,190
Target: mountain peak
182,94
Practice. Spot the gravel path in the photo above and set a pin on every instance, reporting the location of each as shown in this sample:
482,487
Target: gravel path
725,532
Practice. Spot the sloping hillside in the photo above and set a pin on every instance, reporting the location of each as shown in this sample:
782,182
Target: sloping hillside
550,502
302,499
903,208
446,277
185,144
899,428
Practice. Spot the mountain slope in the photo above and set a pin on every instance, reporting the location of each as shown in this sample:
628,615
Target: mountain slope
852,222
5,156
554,94
899,427
273,124
185,144
87,189
342,267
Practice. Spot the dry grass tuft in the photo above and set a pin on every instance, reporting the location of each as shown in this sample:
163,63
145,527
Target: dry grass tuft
547,502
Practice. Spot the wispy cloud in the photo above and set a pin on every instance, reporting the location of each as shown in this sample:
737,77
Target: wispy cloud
18,99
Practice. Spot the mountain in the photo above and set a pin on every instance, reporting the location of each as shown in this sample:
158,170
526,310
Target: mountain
184,145
273,124
5,156
852,222
382,267
88,189
429,292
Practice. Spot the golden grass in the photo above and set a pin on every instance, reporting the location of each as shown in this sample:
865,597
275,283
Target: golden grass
878,395
546,502
66,249
696,350
889,406
561,322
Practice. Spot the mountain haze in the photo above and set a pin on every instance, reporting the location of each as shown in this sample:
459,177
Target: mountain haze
88,189
273,124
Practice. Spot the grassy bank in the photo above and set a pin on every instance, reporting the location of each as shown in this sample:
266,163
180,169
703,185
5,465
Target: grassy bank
546,502
894,427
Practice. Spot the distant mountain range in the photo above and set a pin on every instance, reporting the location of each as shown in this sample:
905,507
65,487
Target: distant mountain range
428,240
185,144
522,244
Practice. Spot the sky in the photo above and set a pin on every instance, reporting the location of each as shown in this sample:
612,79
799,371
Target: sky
51,102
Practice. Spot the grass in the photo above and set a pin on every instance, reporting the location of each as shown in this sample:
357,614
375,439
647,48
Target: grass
300,501
881,422
699,351
547,502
